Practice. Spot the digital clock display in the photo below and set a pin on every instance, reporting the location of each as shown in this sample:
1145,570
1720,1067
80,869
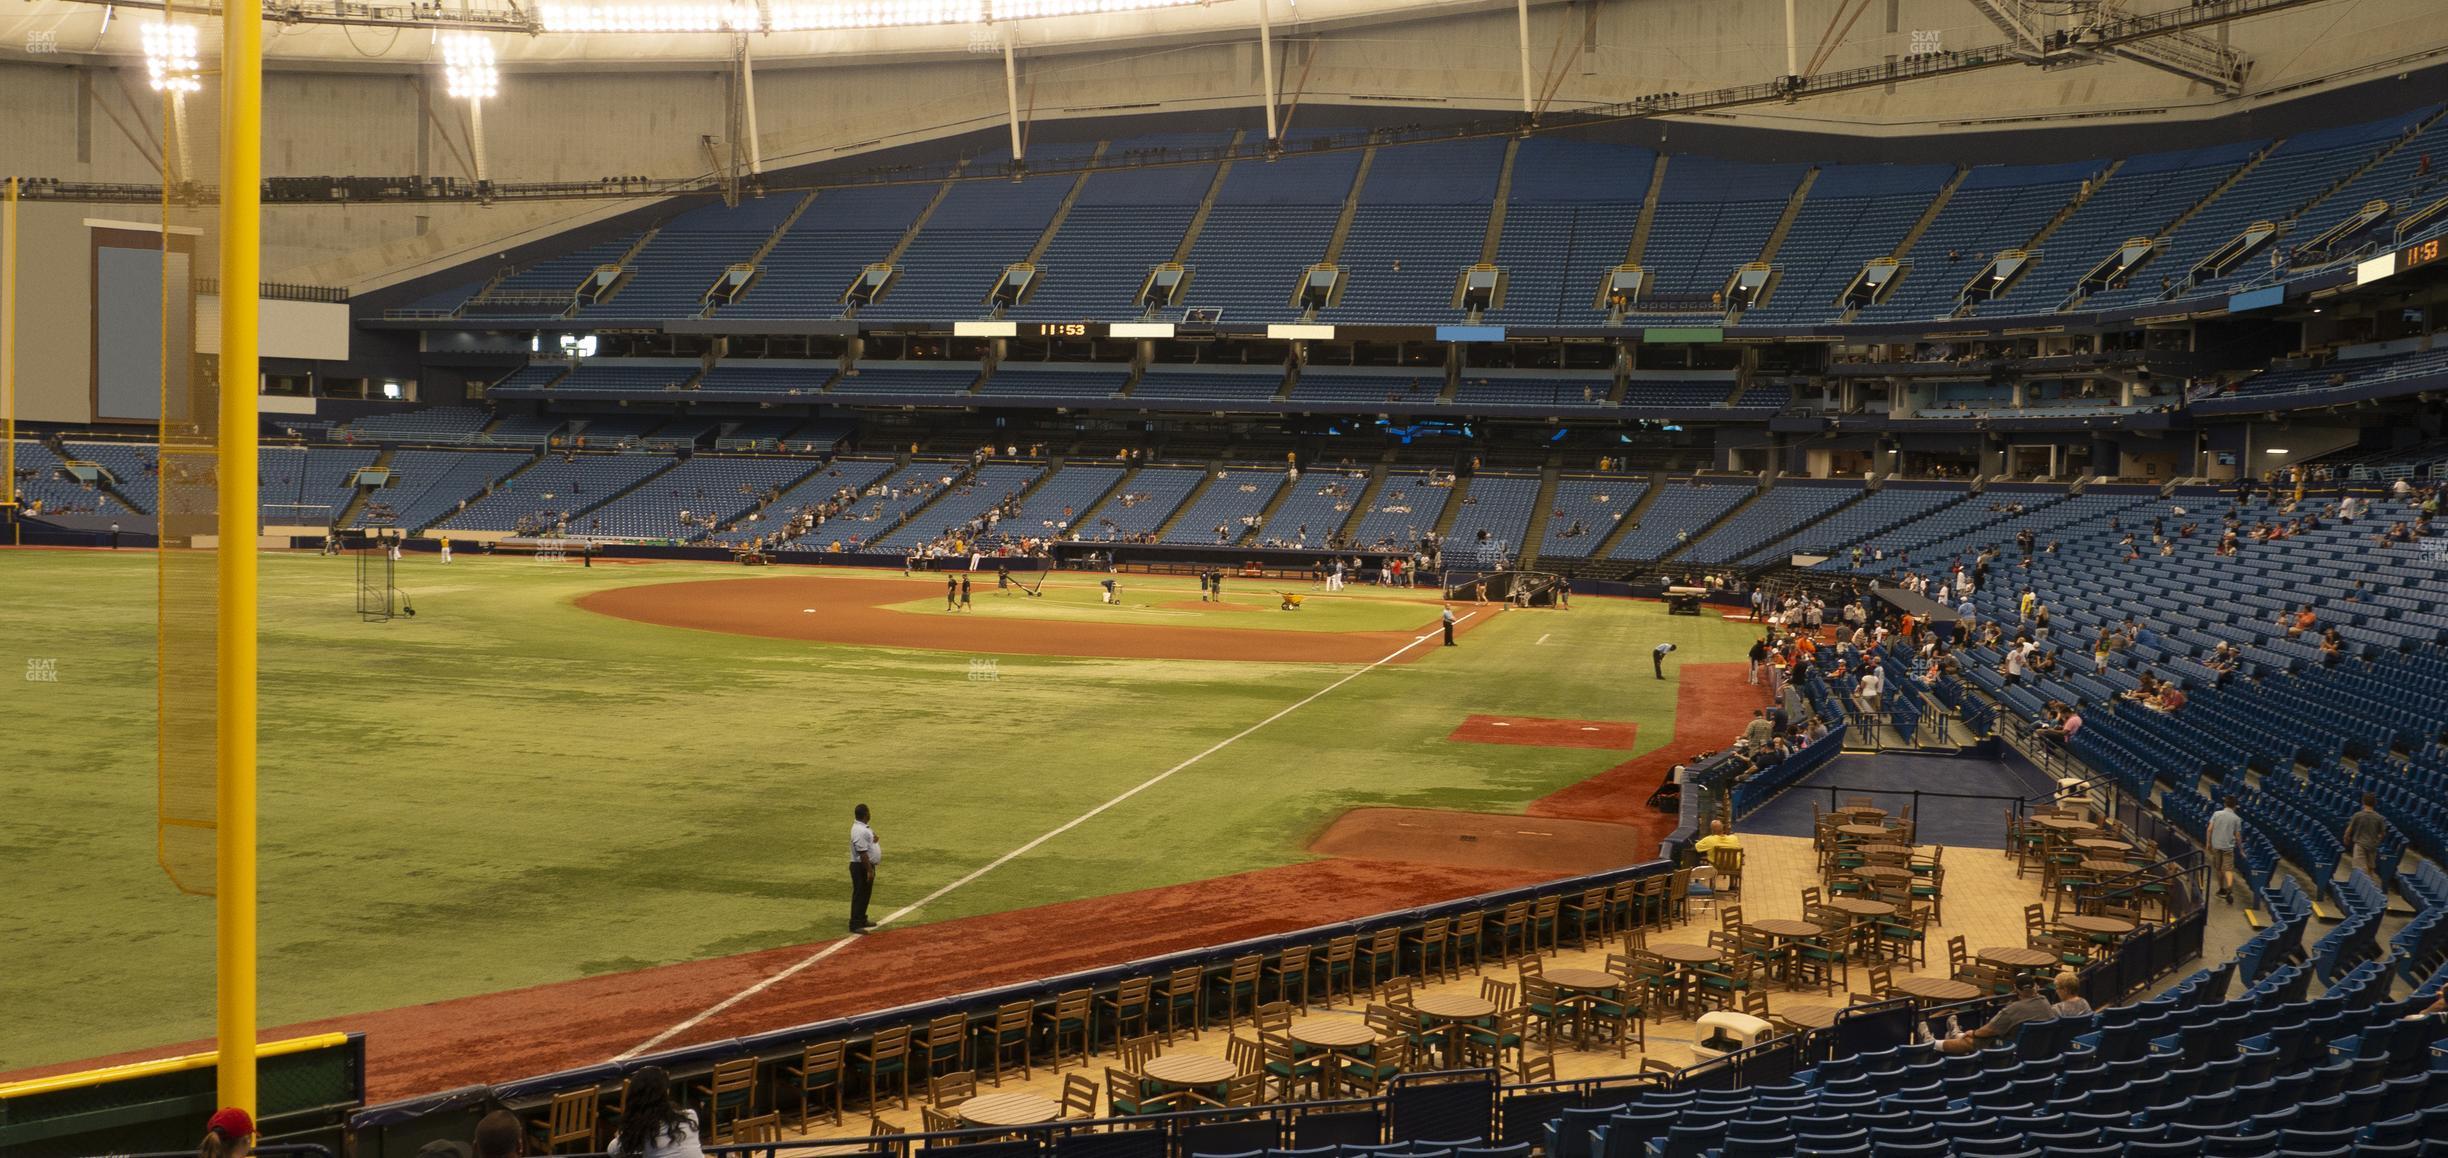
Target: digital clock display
1056,330
2418,255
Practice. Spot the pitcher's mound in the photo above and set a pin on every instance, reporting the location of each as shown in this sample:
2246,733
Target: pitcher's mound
1485,840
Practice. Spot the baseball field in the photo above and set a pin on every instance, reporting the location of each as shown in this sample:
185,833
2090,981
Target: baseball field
628,786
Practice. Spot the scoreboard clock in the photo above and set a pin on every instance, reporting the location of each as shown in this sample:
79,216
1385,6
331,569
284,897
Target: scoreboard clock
1056,330
2418,255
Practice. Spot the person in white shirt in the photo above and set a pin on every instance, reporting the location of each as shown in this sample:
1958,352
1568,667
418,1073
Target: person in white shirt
866,852
2014,665
652,1124
2070,1001
1867,691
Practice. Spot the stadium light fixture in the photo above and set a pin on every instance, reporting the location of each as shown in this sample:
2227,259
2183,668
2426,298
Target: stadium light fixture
805,15
467,66
171,63
618,17
787,16
1031,9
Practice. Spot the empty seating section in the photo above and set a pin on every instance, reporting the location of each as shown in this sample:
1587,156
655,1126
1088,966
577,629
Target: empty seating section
1764,397
1370,384
1124,223
615,432
968,498
708,487
2142,198
1889,507
669,278
907,378
1776,514
1569,218
440,424
1681,511
533,380
1405,510
523,429
1056,505
1142,504
1852,213
1712,216
979,227
1270,221
131,466
308,486
428,485
775,379
843,230
2300,169
1422,220
2403,179
1587,509
618,376
1542,389
1209,383
555,493
1996,208
549,286
1992,517
1232,496
2344,380
1057,380
43,483
1320,504
1645,392
1494,518
769,434
852,474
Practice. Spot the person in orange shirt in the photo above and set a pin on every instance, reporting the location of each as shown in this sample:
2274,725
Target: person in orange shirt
2304,620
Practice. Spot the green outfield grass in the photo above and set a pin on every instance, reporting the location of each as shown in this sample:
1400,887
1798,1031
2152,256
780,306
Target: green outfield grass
508,790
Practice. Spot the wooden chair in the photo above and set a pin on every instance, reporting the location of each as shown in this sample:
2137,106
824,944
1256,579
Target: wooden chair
1882,982
1130,1007
1825,960
1537,1069
1126,1094
944,1045
1489,1045
1500,994
1654,903
818,1073
1290,970
1543,1003
1136,1052
1071,1019
886,1058
1546,921
1293,1073
1236,988
1623,906
1386,1061
1513,929
1621,1019
1811,898
1469,935
1336,965
1929,882
729,1094
1729,917
1381,959
1179,999
1079,1096
1721,986
1245,1055
1726,865
1273,1020
764,1129
1755,1003
1678,897
1904,937
1432,944
951,1090
1397,991
1009,1036
1959,958
569,1123
935,1121
1586,913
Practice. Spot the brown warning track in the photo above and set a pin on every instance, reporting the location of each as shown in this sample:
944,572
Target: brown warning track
858,611
493,1037
1540,732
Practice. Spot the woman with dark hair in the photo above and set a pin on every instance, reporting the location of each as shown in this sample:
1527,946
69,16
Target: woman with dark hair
227,1135
652,1124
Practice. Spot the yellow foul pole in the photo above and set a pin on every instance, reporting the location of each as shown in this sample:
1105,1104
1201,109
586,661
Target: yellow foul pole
241,275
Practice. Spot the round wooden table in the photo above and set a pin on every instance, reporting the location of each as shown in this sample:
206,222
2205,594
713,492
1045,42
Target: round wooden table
1013,1109
2013,957
2102,844
2109,867
1809,1016
1585,980
1685,954
1864,830
1332,1033
2066,824
2103,926
1453,1006
1189,1070
1860,907
1883,872
1781,928
1935,988
1903,850
1861,810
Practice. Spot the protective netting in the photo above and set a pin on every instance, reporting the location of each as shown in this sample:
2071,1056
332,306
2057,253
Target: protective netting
182,57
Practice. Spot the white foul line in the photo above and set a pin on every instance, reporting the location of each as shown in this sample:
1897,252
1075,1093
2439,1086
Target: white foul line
812,959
